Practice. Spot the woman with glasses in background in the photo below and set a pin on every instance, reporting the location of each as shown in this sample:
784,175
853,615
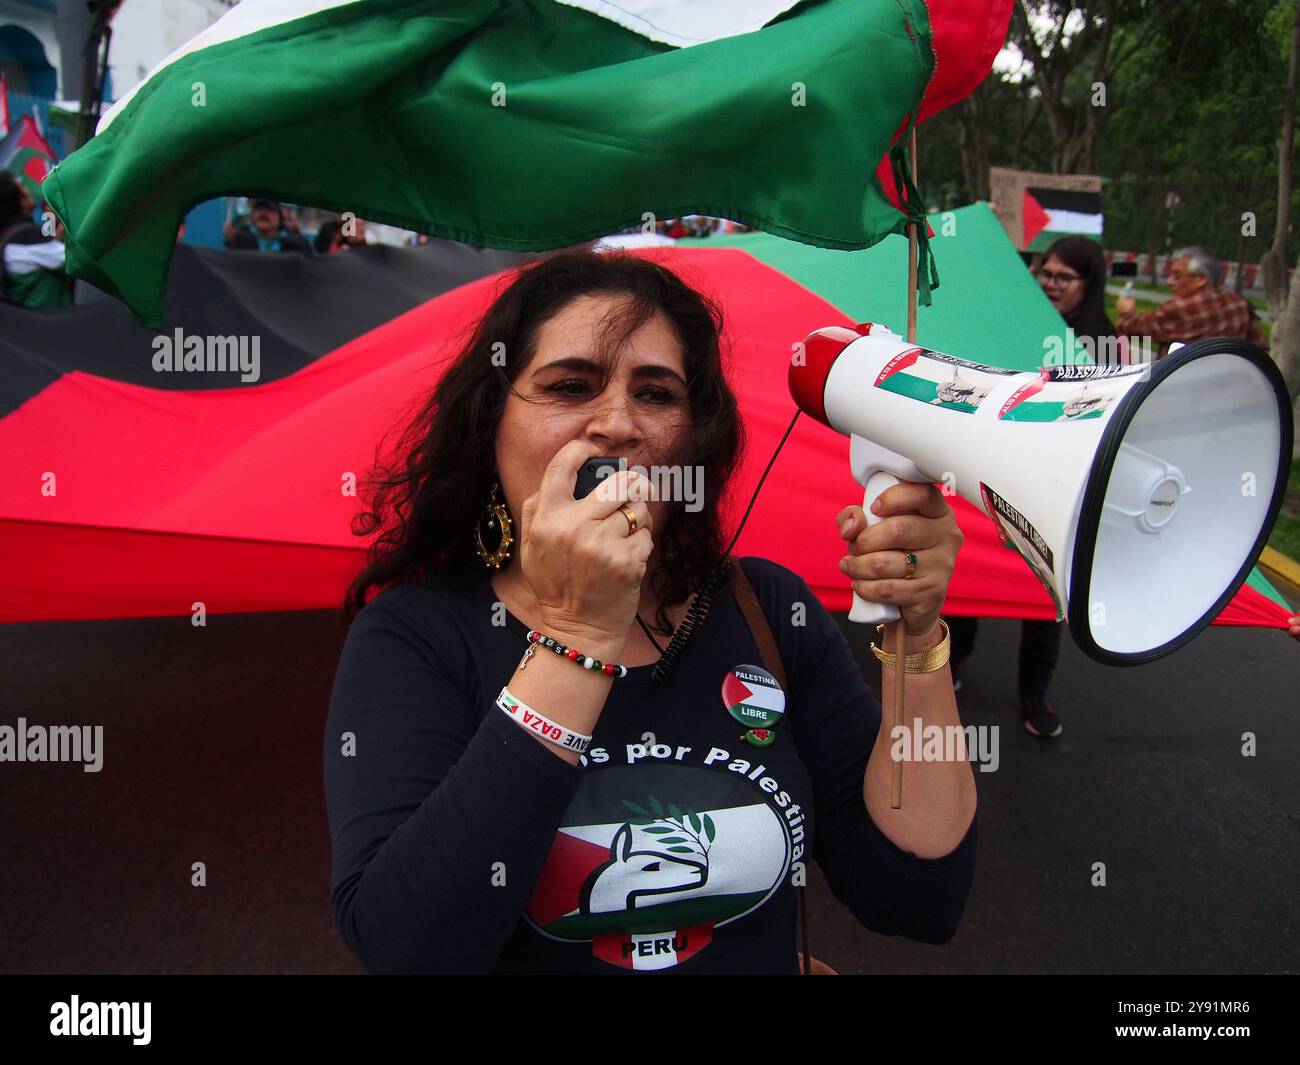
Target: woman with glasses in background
1073,276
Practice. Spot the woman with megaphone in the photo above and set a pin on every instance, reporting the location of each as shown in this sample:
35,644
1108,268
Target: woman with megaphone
520,776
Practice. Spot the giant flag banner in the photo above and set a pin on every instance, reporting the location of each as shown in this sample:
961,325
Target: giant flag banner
130,491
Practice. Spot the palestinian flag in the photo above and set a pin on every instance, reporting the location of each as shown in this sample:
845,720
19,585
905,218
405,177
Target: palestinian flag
934,378
1057,397
1050,214
524,125
753,696
647,880
27,155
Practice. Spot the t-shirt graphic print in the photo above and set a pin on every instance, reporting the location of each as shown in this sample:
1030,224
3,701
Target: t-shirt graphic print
649,859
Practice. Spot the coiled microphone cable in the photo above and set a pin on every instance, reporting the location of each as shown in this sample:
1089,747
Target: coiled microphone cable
703,597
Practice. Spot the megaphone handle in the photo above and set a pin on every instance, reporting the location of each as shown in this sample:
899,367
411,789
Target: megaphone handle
863,610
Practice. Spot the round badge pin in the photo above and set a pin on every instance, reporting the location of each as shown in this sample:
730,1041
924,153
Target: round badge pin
753,697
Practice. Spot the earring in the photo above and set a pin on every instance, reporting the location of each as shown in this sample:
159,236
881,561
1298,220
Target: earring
496,518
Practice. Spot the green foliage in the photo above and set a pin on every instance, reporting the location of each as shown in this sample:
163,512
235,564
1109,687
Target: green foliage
1194,93
1285,536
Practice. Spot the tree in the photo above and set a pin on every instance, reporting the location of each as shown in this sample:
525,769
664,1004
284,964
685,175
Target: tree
1074,49
1284,344
1273,263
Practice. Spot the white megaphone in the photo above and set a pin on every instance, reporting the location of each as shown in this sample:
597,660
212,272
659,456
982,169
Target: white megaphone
1140,496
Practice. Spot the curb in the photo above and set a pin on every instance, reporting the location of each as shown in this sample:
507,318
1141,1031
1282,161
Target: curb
1285,567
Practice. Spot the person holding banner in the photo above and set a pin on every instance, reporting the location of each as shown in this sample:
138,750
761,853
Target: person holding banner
32,264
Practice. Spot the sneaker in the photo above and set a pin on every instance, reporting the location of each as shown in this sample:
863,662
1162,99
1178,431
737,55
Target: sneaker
1040,718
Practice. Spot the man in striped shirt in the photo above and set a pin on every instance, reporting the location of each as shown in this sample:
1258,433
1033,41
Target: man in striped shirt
1198,307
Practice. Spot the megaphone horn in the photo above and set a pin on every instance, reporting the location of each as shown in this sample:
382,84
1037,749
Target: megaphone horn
1140,496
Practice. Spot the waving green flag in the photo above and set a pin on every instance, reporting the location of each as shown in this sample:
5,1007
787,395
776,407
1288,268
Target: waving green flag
519,124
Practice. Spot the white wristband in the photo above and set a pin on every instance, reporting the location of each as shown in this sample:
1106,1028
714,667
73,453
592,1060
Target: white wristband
529,718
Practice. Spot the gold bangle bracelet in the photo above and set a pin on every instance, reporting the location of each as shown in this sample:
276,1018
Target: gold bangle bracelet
922,661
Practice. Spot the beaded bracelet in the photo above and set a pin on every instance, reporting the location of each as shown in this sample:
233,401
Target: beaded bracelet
610,669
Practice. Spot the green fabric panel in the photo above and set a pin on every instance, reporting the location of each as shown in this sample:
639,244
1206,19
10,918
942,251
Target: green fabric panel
393,109
988,307
1264,586
40,289
1047,237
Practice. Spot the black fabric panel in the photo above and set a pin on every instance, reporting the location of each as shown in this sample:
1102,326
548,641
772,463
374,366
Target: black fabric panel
301,307
1065,200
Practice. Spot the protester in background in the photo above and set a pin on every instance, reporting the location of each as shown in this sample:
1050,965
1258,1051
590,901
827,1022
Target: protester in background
339,234
32,272
267,233
1198,307
1073,277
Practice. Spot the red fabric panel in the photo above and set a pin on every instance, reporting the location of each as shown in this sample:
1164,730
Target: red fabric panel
1033,219
967,38
76,572
233,497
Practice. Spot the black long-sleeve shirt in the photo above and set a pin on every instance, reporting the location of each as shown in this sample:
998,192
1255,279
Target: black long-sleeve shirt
460,844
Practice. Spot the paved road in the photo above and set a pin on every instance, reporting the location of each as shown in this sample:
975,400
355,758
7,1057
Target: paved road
212,753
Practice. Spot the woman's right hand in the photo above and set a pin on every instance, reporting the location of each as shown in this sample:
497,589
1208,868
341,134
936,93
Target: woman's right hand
584,567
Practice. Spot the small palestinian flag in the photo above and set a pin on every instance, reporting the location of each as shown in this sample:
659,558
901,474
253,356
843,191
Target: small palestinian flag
933,378
1050,214
27,155
753,697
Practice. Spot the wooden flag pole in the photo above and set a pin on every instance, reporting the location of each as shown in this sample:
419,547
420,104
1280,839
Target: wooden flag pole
900,633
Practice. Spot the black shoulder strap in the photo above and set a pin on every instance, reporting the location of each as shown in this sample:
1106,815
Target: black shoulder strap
758,624
771,653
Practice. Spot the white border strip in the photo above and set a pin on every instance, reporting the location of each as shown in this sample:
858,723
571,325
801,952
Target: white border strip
1073,222
683,23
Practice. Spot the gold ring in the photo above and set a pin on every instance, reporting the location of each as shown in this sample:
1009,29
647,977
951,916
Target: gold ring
909,559
630,514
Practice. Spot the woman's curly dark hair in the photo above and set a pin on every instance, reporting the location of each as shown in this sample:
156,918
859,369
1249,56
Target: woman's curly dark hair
426,510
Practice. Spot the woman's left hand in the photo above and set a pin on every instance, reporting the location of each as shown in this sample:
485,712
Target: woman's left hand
915,518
